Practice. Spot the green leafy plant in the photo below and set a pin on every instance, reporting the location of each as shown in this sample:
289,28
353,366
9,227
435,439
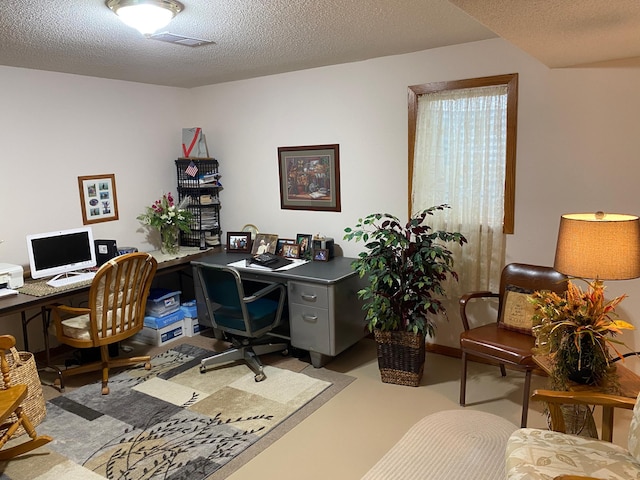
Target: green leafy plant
406,265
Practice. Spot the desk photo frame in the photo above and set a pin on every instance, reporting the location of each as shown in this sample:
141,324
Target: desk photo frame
238,242
98,198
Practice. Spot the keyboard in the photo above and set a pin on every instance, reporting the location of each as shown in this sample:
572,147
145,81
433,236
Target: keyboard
71,279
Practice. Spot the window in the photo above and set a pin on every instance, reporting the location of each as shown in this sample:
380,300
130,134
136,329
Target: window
462,144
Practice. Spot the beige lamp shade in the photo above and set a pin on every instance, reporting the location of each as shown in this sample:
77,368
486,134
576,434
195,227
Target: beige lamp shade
598,246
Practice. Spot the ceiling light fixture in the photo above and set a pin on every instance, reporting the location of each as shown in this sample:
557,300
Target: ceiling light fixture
146,16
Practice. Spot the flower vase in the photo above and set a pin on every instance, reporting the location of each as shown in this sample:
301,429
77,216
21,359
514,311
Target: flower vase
170,236
589,365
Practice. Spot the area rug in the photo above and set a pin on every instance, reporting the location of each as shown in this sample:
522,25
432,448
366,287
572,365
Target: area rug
171,422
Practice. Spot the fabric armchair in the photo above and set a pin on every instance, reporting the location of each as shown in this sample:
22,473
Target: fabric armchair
534,454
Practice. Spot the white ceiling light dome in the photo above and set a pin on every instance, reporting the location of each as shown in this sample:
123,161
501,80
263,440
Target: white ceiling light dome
146,16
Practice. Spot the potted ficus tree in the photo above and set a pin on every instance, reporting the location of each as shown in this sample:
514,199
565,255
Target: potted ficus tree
406,265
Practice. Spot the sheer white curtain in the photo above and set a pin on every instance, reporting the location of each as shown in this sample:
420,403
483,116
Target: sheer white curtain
460,159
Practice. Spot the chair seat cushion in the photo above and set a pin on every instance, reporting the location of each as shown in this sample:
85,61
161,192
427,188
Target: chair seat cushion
533,454
490,340
79,327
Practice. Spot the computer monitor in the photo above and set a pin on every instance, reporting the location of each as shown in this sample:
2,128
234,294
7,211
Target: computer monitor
64,251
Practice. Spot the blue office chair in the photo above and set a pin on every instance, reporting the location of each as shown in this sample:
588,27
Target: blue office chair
244,319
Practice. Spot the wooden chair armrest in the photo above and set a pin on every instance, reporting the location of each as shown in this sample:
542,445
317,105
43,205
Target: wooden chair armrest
555,400
70,310
464,299
585,398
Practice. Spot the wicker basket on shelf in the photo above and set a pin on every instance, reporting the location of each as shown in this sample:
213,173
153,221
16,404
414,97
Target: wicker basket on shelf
400,357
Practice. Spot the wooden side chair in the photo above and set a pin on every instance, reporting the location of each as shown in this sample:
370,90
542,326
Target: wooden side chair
117,301
507,339
12,416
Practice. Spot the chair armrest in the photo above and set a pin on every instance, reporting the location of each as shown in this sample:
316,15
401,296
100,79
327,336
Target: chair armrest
585,398
71,310
464,299
263,291
555,400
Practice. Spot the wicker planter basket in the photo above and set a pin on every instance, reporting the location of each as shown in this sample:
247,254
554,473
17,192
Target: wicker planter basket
23,370
400,357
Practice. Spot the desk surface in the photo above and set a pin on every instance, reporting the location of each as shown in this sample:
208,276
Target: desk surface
333,271
166,264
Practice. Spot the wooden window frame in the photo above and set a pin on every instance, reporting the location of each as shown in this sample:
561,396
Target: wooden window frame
511,81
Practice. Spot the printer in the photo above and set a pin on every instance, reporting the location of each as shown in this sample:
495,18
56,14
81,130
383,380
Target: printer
11,276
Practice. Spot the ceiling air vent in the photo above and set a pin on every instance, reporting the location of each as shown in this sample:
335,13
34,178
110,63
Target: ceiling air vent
180,39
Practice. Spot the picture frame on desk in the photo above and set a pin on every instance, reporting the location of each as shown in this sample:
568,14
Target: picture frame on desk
304,240
264,243
291,250
238,242
320,255
98,198
310,177
281,243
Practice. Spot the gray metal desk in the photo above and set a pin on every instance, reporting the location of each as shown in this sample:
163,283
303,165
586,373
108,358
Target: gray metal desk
325,314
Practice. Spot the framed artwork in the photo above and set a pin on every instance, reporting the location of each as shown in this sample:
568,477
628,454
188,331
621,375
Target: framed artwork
281,243
291,250
264,243
321,255
304,240
310,177
98,198
238,242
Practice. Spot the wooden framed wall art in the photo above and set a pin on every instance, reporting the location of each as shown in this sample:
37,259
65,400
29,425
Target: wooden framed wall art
310,177
98,198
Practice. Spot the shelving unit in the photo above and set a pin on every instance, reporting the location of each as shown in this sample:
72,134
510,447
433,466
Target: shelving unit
203,188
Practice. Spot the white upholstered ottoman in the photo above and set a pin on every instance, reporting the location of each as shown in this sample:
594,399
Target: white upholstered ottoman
448,445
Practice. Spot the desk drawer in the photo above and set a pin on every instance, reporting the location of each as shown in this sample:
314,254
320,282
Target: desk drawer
310,328
308,294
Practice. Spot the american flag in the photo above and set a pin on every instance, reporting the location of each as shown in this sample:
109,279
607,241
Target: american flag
191,170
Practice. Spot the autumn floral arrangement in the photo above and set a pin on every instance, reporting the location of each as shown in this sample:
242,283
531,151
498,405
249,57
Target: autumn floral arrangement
577,331
169,219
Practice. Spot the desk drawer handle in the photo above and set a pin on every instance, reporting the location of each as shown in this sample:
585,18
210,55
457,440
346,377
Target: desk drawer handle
310,318
309,297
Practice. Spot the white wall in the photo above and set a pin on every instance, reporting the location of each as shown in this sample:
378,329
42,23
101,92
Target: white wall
56,127
577,145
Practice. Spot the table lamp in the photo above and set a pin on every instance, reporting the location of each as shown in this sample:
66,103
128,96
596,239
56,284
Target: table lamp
598,246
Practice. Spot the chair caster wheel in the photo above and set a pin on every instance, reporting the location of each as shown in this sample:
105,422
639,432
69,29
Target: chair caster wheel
260,377
147,366
105,390
285,352
203,369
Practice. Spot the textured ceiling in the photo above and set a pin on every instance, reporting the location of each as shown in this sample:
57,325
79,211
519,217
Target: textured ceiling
565,33
262,37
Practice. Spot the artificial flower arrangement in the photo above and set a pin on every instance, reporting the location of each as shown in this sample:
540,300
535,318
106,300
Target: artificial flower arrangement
577,331
169,219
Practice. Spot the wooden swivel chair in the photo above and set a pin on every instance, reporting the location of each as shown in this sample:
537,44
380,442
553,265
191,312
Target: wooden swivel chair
12,416
245,318
507,340
117,301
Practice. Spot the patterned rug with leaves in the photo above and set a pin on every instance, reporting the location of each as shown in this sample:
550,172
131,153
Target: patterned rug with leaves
171,422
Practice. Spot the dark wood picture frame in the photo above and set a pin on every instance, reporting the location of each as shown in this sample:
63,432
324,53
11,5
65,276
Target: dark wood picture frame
282,242
310,177
98,198
238,242
320,255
